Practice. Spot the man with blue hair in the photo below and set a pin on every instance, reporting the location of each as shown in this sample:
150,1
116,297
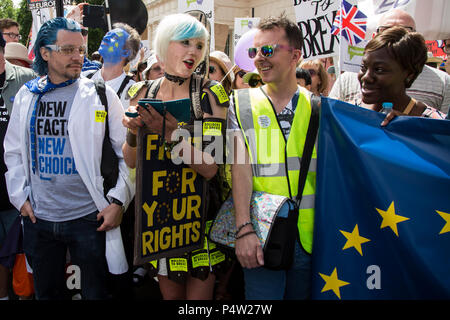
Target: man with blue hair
53,154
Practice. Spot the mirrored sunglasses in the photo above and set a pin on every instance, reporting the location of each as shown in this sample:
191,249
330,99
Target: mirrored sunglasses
267,50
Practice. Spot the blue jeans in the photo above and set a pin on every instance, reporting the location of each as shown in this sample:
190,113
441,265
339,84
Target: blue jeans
45,244
292,284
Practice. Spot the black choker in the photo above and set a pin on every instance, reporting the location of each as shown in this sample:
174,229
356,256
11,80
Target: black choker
173,78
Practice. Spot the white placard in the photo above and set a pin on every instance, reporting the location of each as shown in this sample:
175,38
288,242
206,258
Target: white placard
242,25
315,19
207,6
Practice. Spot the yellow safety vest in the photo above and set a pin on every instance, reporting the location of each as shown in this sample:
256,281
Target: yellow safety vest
275,162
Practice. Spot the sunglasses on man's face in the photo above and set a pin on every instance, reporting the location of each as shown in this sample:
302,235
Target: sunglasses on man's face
267,51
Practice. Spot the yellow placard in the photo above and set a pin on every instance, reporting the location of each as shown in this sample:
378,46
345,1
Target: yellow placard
212,128
220,93
200,260
217,257
178,264
134,89
100,115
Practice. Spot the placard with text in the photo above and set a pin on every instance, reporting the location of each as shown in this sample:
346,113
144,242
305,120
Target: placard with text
169,203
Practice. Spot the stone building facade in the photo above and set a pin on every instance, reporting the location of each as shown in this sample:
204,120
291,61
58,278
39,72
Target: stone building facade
225,11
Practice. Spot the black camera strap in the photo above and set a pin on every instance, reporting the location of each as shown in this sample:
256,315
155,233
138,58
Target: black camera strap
309,146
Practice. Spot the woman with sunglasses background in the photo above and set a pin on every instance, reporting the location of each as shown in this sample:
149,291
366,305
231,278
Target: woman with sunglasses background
219,66
238,82
319,76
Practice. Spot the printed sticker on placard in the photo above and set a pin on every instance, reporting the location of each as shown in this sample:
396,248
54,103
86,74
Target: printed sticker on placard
212,128
220,93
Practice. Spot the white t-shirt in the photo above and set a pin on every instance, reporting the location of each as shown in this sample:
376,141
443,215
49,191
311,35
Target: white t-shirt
115,84
59,193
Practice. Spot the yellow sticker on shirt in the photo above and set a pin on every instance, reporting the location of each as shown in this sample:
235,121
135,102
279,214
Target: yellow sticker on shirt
212,128
100,116
220,93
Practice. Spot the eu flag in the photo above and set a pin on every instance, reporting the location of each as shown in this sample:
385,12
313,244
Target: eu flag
382,226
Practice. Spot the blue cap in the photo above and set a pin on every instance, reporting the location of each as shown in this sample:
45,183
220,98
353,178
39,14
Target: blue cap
2,40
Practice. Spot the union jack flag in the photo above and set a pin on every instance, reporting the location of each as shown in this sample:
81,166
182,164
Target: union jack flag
351,23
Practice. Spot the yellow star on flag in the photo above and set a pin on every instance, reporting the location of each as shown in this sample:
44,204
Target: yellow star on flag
446,217
390,219
333,283
354,240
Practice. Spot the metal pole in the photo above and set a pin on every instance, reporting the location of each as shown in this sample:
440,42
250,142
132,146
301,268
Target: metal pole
108,17
59,8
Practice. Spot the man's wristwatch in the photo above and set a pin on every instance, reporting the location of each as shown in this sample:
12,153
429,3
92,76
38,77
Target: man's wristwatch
118,202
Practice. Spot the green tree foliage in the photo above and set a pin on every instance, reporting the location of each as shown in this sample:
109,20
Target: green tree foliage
24,19
7,9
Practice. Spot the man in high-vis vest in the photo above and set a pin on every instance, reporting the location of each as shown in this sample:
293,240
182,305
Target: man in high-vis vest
270,124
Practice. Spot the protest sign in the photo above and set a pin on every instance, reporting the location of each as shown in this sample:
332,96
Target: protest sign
315,20
170,211
242,25
207,6
42,4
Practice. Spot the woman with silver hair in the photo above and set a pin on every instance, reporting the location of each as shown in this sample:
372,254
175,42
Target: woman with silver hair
181,45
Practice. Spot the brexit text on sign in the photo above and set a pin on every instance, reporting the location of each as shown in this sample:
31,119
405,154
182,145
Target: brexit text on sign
169,203
315,20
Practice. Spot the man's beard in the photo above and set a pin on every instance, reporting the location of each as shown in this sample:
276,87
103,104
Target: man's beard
74,74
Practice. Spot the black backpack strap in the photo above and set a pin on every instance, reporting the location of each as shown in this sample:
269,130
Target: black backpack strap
309,146
101,91
123,85
109,166
90,75
153,88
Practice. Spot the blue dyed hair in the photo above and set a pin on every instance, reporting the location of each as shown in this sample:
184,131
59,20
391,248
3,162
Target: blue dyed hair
176,27
47,35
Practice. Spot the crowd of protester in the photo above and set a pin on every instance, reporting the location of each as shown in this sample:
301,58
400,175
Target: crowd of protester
70,217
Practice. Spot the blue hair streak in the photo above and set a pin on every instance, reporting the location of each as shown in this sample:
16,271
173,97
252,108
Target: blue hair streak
47,35
189,31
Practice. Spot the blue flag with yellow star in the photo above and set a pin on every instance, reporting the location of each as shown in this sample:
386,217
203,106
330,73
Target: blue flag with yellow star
382,225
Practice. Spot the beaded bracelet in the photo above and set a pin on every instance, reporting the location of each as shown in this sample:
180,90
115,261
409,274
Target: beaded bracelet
241,227
245,234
